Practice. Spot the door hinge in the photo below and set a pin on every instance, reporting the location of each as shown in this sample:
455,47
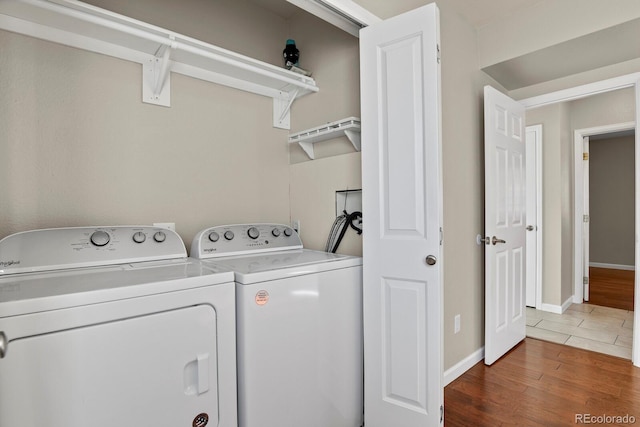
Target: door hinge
438,50
585,218
585,156
585,280
441,413
441,236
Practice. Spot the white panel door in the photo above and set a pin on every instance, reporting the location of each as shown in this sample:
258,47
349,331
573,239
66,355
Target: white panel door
402,198
505,224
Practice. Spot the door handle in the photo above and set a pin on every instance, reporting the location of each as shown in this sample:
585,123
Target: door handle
3,344
431,260
529,227
495,240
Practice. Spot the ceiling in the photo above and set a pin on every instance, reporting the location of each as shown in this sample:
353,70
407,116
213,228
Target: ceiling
481,12
589,52
476,12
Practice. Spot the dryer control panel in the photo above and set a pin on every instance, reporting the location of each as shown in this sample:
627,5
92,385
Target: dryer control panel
238,239
74,247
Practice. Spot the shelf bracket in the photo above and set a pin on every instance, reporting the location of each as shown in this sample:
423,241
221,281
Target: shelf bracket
354,137
156,84
282,110
307,146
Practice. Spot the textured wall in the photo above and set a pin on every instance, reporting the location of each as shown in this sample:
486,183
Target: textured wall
612,200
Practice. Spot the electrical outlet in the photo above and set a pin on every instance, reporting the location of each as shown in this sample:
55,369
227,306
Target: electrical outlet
168,225
296,225
456,324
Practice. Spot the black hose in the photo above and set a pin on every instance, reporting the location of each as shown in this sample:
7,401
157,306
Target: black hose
350,218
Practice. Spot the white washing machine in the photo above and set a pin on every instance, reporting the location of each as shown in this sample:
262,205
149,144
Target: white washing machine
114,326
299,326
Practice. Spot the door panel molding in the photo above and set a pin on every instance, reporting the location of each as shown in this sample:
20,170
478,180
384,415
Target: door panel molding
505,209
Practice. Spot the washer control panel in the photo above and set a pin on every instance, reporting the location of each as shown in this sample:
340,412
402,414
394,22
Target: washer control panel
73,247
237,239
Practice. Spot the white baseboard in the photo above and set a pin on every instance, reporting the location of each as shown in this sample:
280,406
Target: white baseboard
612,266
558,309
463,366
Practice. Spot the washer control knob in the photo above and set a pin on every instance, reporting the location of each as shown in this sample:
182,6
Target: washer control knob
288,232
214,237
160,236
253,232
229,235
139,237
275,232
100,238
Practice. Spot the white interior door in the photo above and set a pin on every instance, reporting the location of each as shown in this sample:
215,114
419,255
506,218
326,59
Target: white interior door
505,225
402,196
586,218
533,141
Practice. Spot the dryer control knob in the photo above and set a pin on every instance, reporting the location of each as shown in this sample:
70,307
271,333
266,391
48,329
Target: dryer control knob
229,235
288,232
253,232
139,237
275,232
160,236
100,238
214,237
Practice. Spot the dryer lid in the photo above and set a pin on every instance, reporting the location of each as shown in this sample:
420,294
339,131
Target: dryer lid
32,292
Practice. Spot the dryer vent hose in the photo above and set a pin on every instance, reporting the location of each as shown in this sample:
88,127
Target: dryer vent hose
340,227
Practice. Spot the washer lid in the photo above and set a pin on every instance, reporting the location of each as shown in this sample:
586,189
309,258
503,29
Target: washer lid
32,292
277,265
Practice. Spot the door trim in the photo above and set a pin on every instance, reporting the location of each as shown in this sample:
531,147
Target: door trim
629,80
537,131
583,91
579,197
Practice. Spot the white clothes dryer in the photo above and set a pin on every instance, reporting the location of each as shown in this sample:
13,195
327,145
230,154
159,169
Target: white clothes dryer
114,326
299,326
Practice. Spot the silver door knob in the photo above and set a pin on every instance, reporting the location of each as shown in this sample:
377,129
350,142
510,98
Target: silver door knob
495,240
431,260
529,227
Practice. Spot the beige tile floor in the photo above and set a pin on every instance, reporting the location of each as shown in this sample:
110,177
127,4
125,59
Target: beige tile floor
591,327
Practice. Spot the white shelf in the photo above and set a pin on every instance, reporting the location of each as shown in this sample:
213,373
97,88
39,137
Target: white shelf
77,24
349,127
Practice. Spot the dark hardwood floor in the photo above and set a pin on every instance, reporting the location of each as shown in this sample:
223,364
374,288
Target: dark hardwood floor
611,288
539,383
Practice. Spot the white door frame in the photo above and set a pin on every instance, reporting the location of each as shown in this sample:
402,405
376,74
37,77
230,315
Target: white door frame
537,138
626,81
585,224
579,199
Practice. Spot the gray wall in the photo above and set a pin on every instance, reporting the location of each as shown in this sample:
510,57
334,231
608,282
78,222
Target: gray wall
557,259
79,147
612,200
